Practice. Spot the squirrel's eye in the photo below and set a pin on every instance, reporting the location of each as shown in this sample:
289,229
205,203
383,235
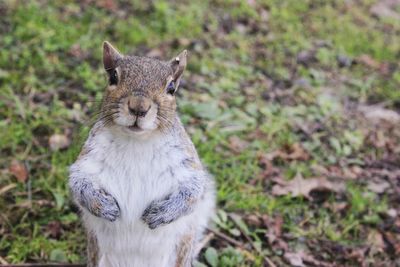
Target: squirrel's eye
113,77
171,88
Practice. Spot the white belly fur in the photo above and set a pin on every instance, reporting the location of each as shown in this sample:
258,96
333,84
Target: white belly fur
130,172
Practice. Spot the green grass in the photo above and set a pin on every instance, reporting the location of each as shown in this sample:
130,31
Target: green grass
242,81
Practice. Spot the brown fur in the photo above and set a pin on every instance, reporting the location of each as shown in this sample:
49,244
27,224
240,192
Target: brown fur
92,250
185,251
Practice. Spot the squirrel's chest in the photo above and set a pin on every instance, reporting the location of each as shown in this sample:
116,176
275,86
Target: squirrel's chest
137,174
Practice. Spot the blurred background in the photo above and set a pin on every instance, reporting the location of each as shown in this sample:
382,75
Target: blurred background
293,106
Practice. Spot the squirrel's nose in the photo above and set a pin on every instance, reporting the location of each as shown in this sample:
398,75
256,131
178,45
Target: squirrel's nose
139,106
138,112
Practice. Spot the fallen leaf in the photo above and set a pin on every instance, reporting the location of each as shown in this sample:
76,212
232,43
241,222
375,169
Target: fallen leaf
291,152
376,114
393,241
252,3
54,229
301,258
59,141
77,52
336,207
236,144
386,9
378,187
266,164
109,5
268,177
274,226
303,187
18,169
297,152
253,220
392,213
375,240
309,259
358,254
294,259
368,61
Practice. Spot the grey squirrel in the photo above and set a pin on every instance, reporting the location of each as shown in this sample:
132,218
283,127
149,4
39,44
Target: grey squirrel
145,197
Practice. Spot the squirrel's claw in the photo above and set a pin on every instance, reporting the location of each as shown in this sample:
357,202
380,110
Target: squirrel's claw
104,205
156,214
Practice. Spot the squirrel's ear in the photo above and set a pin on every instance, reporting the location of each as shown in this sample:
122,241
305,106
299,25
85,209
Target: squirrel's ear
110,56
178,65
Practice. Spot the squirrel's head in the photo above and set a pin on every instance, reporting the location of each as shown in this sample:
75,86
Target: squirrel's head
140,96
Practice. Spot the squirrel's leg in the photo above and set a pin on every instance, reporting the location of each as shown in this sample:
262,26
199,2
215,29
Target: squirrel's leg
185,250
92,250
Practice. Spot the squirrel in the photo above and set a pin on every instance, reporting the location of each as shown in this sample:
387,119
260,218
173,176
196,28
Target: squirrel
145,197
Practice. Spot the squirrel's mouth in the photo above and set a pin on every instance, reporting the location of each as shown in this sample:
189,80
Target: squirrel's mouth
135,128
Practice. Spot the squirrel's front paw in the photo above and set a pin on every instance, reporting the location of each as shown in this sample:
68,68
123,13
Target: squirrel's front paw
158,213
103,205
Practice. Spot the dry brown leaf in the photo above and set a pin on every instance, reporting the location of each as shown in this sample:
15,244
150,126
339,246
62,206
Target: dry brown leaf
253,220
393,241
292,152
349,174
236,144
18,169
378,187
274,226
301,258
392,213
299,186
337,207
77,52
269,173
59,141
309,259
368,61
109,5
377,114
294,259
54,229
375,240
386,9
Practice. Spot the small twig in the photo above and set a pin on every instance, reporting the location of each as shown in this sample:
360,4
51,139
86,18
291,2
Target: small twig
246,236
204,242
227,238
269,262
7,188
238,244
